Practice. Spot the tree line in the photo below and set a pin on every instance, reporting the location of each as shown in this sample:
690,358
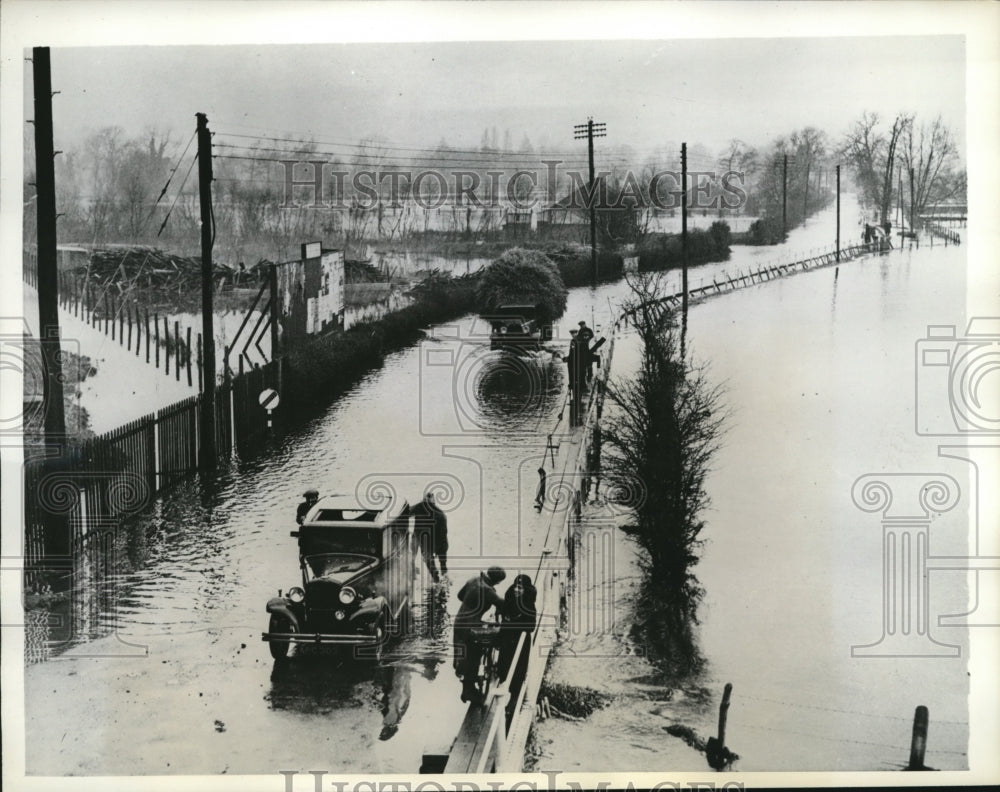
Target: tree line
114,188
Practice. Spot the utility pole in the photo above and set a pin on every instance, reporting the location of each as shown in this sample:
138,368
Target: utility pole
913,229
207,434
590,130
684,248
838,214
48,275
902,213
784,197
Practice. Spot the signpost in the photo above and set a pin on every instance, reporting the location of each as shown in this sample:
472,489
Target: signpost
269,400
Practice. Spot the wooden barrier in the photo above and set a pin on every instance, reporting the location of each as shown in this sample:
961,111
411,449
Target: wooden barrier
120,319
102,480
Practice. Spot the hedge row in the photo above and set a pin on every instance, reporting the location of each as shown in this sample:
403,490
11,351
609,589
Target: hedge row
321,368
576,266
664,251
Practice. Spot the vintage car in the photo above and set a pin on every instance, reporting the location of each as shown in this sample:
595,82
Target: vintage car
357,568
514,328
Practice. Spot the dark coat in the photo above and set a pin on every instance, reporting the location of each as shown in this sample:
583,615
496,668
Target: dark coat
477,597
430,521
577,361
303,510
519,613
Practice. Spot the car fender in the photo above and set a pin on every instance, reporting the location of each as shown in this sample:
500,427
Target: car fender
369,610
280,606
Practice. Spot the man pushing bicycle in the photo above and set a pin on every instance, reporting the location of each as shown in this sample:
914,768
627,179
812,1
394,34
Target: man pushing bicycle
477,596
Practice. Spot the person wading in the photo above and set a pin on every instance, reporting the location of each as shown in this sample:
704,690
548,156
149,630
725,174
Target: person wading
430,528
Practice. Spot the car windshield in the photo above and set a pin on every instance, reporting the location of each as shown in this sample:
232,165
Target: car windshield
327,565
315,540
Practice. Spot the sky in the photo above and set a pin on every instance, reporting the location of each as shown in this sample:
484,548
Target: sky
649,93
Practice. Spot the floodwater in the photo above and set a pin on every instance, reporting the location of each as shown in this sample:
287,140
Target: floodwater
816,368
822,388
185,685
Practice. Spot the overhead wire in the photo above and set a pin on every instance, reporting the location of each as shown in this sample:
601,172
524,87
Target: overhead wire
180,191
166,186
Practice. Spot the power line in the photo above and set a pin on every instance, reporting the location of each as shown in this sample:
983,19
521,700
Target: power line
167,185
394,162
385,145
389,146
180,191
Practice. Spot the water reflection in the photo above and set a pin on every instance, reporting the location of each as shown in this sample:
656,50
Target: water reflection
318,681
511,390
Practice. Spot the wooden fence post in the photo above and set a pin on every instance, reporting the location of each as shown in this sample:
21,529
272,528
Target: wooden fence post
166,342
715,750
199,364
156,327
130,328
918,742
187,355
121,324
177,350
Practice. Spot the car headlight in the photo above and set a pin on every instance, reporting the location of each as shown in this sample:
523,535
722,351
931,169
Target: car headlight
295,594
347,595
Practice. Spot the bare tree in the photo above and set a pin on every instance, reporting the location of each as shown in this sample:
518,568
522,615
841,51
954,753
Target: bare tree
929,152
809,145
872,156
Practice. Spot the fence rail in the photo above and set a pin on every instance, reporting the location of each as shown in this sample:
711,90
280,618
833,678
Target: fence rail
97,483
936,229
122,319
762,274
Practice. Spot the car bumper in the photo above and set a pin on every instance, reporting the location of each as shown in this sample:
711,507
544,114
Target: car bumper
320,638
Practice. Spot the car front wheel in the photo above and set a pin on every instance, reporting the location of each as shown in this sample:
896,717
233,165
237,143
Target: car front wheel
279,649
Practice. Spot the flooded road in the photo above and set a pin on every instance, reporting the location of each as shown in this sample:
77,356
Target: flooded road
818,369
185,685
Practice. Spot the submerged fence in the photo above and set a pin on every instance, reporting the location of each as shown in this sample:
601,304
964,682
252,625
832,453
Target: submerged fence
768,272
98,482
154,338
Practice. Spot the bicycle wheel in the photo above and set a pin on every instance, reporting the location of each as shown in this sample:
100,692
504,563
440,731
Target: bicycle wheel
484,673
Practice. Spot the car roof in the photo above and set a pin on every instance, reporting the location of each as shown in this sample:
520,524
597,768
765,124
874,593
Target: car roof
376,516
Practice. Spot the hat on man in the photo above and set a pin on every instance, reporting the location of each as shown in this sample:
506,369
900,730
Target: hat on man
310,493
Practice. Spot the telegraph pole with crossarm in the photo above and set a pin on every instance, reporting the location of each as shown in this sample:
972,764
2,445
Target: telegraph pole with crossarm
590,130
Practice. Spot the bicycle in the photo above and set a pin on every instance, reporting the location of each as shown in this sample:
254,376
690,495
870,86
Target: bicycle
484,644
